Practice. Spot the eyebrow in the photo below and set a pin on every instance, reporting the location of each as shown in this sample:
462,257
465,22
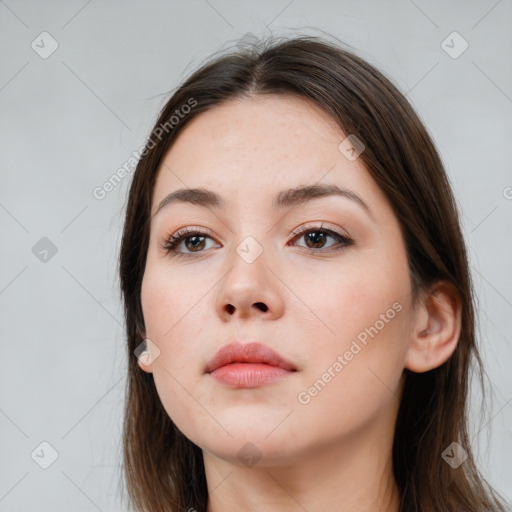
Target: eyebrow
284,199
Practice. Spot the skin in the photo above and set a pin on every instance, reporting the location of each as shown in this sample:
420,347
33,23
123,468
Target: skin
334,452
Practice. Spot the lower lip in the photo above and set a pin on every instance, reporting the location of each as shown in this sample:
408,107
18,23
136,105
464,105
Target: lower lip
248,375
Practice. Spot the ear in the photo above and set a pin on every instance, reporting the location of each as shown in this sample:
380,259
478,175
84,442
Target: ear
145,358
436,328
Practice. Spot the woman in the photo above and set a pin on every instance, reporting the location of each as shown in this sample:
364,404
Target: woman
299,310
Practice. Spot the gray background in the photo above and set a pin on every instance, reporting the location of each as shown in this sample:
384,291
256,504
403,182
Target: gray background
70,120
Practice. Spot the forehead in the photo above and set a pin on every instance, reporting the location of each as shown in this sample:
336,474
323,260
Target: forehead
254,147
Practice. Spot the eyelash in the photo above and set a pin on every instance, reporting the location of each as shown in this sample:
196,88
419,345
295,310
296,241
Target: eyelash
171,243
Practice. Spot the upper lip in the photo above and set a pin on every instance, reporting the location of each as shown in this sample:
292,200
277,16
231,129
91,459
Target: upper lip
247,353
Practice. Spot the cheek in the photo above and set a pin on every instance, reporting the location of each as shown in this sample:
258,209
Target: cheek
174,320
174,323
170,299
364,332
348,301
355,378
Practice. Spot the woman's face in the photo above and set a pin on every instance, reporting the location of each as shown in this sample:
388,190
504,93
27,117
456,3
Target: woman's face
340,311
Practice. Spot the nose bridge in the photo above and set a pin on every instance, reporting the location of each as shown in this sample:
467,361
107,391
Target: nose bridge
247,262
249,287
250,237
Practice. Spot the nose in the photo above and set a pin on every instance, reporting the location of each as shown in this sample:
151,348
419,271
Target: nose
250,289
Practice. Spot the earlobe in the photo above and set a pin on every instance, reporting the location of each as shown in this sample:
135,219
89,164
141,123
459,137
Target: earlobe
143,354
436,328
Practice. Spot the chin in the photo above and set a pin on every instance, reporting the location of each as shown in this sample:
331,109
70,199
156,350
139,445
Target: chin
248,452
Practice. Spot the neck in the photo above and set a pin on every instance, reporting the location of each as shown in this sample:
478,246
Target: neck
352,474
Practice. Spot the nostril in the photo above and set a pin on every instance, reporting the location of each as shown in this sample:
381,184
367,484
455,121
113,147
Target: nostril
261,306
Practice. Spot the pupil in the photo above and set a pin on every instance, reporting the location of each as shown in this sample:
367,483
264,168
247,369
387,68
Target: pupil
194,246
318,239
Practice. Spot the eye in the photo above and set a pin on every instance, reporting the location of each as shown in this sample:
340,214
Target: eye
315,238
193,239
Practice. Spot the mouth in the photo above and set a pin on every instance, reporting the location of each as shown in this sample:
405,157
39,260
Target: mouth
248,365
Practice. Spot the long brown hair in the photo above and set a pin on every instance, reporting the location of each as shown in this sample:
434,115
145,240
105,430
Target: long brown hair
163,470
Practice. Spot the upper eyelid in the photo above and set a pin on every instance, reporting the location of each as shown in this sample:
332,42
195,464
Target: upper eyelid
320,225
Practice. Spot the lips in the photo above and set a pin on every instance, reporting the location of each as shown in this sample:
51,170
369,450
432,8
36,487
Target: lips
247,353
